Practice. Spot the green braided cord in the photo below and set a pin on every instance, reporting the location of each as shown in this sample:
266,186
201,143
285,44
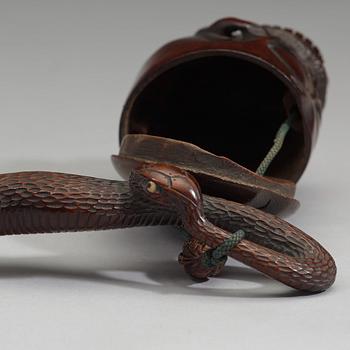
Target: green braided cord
278,143
218,255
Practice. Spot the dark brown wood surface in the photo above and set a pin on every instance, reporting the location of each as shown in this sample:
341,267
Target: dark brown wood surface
38,202
227,89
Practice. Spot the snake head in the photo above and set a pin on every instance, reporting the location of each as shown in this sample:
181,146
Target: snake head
167,185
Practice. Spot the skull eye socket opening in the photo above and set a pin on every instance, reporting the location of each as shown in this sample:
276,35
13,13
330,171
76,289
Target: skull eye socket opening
152,187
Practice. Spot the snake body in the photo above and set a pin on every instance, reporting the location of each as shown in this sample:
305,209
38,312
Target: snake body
38,202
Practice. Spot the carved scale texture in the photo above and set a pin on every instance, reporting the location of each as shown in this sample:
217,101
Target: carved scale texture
38,202
272,246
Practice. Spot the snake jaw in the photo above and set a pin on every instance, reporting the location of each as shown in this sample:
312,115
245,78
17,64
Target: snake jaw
168,185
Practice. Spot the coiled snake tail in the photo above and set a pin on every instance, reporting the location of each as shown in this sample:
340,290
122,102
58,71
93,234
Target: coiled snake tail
38,202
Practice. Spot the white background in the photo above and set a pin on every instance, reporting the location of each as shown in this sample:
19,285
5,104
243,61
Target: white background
66,68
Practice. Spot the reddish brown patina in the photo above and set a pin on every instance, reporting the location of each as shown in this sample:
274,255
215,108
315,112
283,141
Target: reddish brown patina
35,202
212,103
201,117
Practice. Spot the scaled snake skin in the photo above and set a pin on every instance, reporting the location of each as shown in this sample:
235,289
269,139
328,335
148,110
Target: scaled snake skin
40,202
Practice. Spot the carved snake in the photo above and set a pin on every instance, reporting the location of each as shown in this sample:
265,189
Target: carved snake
38,202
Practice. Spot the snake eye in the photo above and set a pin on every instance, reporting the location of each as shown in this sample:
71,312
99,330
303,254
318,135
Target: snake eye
152,187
